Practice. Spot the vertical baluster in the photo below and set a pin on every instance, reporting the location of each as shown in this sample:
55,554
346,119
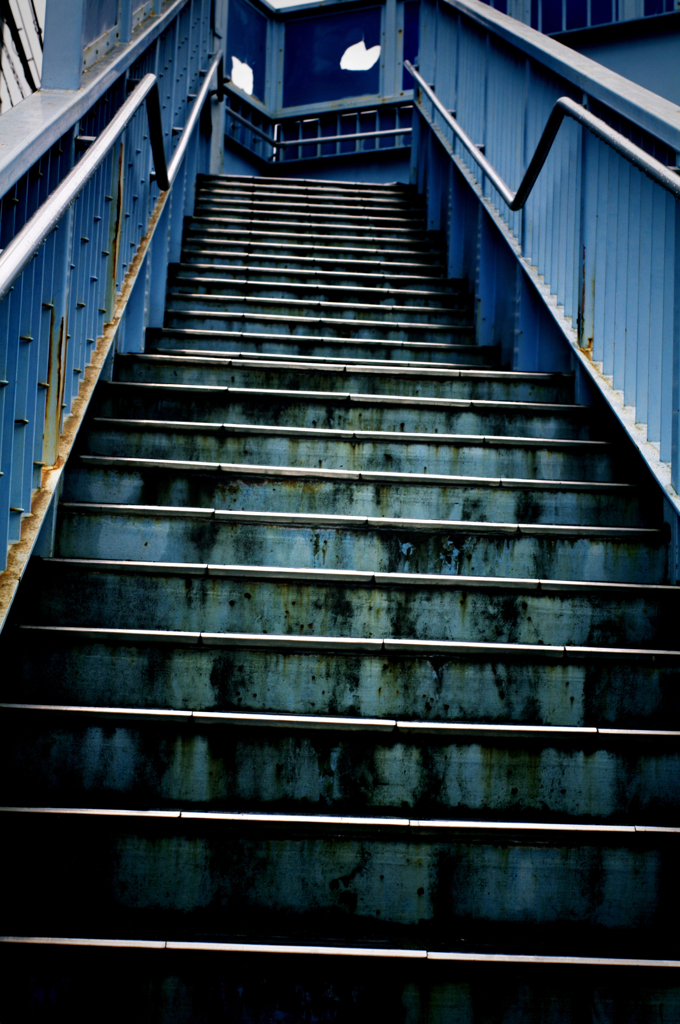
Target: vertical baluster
632,288
674,274
587,265
656,306
621,295
667,328
572,222
75,310
644,300
608,279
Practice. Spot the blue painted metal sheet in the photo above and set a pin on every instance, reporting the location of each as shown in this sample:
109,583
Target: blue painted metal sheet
313,50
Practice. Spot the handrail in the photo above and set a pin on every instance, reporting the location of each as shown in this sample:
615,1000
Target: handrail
26,243
564,107
342,138
216,64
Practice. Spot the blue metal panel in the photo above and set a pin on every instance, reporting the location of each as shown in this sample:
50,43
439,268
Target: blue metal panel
411,37
247,41
313,49
100,16
63,53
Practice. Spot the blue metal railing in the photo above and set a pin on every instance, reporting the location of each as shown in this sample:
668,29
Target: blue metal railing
328,133
99,275
597,239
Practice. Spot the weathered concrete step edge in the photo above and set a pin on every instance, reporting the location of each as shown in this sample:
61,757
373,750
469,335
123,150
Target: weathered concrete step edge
317,245
369,952
380,647
258,182
342,325
410,229
419,479
270,212
370,523
314,340
603,448
279,197
427,284
465,730
184,277
318,822
362,307
479,404
389,367
359,578
430,270
418,244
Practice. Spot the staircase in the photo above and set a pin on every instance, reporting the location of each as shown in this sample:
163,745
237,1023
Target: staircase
351,641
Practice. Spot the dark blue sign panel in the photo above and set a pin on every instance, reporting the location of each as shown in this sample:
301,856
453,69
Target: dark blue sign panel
247,42
314,48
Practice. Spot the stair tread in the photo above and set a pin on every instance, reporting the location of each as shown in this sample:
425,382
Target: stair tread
385,436
315,303
549,408
379,646
366,522
491,730
395,267
359,577
370,476
456,612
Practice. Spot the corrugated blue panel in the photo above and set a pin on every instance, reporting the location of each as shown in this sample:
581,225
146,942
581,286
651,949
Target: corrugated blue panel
313,50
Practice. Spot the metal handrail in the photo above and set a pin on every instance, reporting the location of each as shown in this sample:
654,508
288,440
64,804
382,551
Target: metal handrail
27,242
203,93
564,107
342,138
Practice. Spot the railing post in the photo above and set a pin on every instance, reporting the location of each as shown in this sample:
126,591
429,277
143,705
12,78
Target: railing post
63,54
124,26
675,446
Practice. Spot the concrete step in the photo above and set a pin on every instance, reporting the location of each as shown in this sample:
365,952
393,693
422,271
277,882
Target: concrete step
288,185
316,345
254,257
75,756
192,312
184,296
226,284
306,215
168,482
406,377
340,377
358,450
358,677
339,410
186,982
365,249
373,282
291,233
358,879
308,209
325,602
286,194
157,534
